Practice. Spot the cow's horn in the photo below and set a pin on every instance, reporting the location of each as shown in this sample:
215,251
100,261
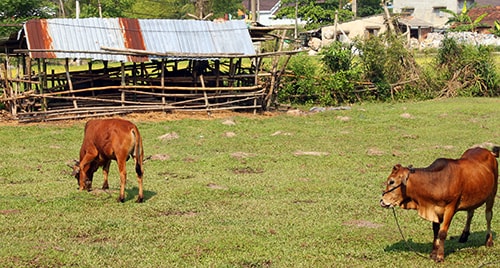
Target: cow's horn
73,163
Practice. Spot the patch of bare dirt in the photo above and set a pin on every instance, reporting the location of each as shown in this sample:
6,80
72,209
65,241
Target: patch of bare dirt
160,157
298,153
374,152
169,136
216,186
9,211
7,119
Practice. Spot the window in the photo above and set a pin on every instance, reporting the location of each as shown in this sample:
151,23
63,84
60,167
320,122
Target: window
438,11
371,31
407,11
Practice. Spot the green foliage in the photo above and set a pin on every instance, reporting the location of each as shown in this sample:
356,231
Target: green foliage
13,12
467,70
165,9
369,7
220,7
462,22
321,13
337,56
339,86
496,30
314,13
303,86
392,68
109,8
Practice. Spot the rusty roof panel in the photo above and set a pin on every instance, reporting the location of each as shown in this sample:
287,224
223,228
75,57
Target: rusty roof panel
40,39
84,38
132,36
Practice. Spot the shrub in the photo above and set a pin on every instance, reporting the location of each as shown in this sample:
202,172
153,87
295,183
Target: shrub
392,68
337,59
301,87
466,70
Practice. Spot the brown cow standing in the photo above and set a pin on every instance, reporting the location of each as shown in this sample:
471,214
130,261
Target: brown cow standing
105,140
438,191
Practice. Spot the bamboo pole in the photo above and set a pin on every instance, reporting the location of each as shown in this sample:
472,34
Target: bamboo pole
162,82
123,82
70,84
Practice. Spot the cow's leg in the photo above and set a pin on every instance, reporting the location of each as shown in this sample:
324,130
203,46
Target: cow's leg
123,177
140,172
443,232
105,172
466,231
435,242
489,216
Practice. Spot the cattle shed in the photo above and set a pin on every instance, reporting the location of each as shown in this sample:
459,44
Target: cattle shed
77,68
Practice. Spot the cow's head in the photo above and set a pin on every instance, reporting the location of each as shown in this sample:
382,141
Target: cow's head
394,192
77,173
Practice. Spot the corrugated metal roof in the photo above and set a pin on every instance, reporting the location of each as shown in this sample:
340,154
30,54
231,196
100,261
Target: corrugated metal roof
85,38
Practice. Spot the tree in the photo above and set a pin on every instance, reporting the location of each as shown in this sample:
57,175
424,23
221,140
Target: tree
15,12
161,9
222,7
315,14
368,8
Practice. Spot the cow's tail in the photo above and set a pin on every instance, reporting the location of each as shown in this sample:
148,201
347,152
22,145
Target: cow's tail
138,152
496,151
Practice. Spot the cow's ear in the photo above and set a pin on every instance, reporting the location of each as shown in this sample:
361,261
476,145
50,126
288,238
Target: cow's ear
406,176
396,167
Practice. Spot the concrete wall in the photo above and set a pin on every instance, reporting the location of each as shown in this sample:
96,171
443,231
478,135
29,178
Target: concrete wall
428,10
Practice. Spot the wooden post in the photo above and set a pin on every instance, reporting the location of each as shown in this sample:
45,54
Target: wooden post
162,81
231,72
44,84
274,73
388,17
336,22
205,96
70,83
217,73
122,71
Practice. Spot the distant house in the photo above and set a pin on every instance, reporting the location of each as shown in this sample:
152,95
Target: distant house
489,7
429,12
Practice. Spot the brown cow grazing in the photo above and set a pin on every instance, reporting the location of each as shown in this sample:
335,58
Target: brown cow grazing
105,140
438,191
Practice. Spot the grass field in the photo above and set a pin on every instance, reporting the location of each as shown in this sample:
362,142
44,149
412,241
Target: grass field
243,191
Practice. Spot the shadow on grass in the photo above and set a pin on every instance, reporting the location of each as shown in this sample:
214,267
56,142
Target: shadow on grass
476,240
133,193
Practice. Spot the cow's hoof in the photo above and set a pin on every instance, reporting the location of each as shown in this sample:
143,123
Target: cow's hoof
139,200
433,254
121,200
489,240
464,237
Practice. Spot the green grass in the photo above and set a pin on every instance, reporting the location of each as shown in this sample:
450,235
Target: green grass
206,206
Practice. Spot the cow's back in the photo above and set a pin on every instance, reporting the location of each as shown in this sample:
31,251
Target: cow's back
108,135
478,174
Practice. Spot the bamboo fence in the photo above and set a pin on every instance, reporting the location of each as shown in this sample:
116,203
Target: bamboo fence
226,82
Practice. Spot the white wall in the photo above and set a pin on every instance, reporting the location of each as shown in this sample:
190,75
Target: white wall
427,10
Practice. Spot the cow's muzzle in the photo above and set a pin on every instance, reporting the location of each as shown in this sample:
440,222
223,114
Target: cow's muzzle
384,204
